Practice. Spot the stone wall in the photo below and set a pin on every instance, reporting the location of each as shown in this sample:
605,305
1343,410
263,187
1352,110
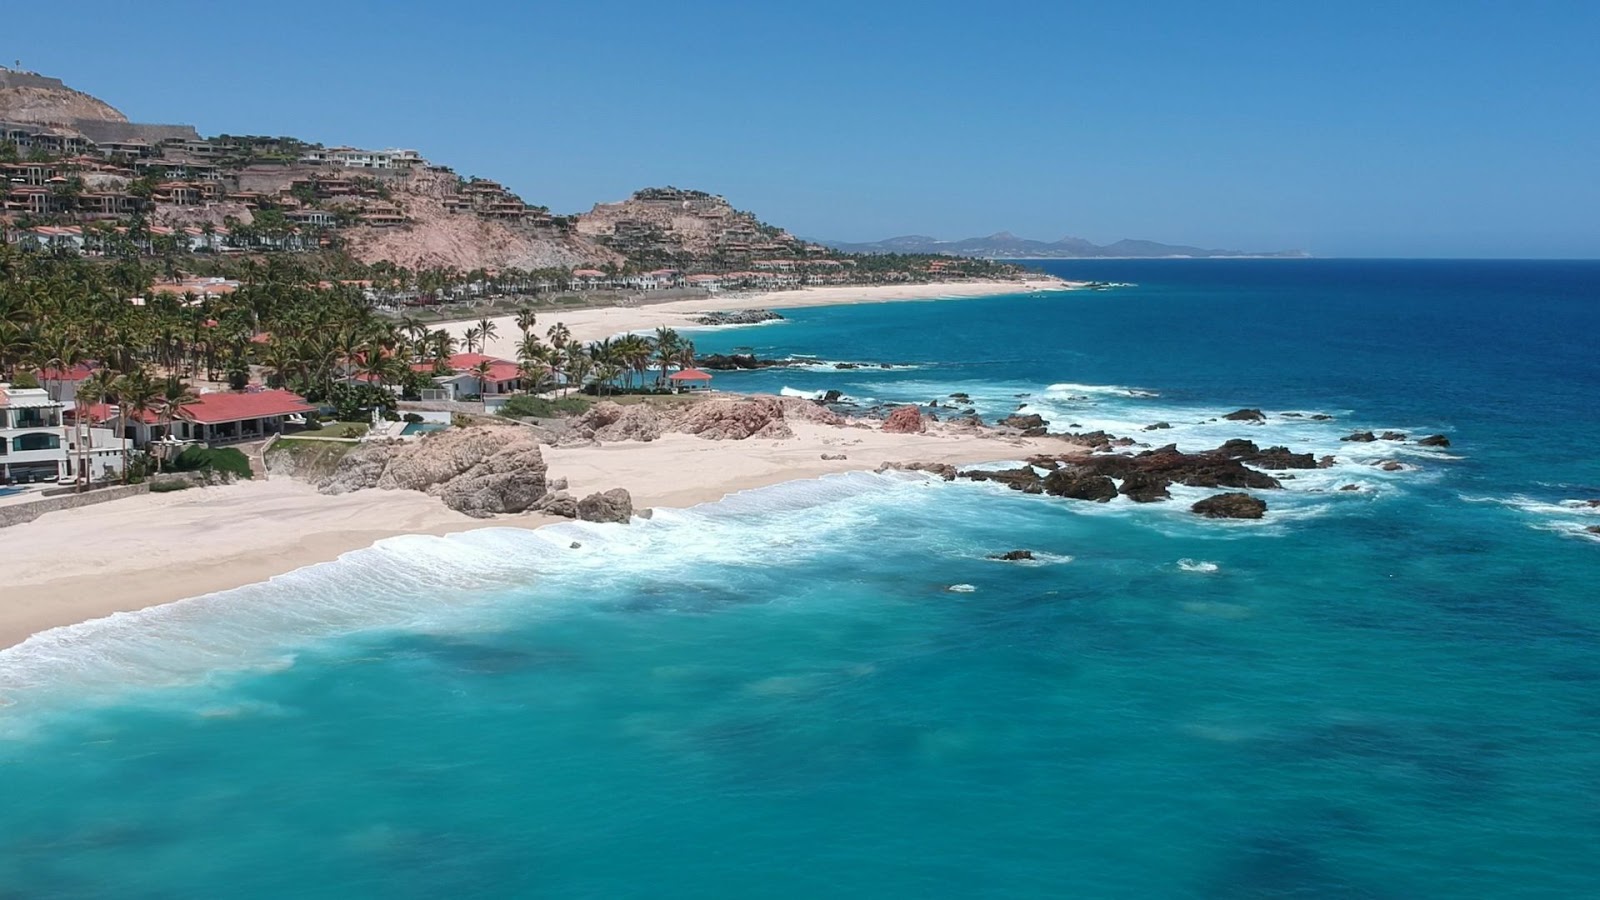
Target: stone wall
27,512
101,131
11,78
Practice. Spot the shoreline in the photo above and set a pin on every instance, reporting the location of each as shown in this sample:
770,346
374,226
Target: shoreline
600,322
156,549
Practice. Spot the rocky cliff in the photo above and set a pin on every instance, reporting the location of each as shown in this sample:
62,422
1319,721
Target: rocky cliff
478,471
26,97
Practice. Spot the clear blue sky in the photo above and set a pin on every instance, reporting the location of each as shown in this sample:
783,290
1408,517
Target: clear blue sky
1458,128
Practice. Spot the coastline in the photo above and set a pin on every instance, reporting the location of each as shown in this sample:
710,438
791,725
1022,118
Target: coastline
156,549
598,323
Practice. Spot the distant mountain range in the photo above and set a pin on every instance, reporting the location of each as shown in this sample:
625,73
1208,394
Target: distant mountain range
1005,245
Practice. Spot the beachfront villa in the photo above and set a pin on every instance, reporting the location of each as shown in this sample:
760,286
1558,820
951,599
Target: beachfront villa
473,374
218,418
36,446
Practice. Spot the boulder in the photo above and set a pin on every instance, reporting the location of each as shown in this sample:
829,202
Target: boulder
1360,437
615,505
1012,555
1076,483
1246,415
720,362
1351,487
739,418
1157,426
1231,506
1434,440
1322,417
834,456
559,503
1392,436
1593,529
738,317
1031,424
905,420
479,471
1143,487
1024,479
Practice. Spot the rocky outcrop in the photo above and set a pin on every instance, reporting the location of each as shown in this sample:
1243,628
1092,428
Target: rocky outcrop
1270,458
1392,436
1231,506
1246,415
1031,425
1434,440
1360,437
905,420
735,419
479,471
558,503
943,470
1012,555
1078,483
615,505
608,421
738,317
1024,479
727,362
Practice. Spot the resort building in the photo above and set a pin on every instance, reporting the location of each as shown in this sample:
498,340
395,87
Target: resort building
690,380
218,418
473,374
36,445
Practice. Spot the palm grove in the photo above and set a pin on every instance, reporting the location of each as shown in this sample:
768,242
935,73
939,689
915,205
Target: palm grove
327,342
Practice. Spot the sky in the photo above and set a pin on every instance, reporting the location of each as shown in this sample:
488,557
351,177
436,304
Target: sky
1417,129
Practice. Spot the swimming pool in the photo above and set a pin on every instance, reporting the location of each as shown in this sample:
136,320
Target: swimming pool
422,427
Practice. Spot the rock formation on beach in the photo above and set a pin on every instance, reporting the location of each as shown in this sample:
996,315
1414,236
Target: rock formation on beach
615,505
478,471
716,419
905,420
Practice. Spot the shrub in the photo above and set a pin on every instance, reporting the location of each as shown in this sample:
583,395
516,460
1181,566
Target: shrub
413,418
24,379
523,406
167,487
228,460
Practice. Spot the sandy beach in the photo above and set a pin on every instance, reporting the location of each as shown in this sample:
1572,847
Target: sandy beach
82,564
76,565
602,322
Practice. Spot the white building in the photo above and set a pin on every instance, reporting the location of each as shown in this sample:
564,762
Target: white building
353,158
35,447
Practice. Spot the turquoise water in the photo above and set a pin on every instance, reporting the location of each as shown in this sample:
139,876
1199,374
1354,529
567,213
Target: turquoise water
1384,693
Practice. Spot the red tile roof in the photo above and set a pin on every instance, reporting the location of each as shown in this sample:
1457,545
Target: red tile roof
689,375
211,409
77,373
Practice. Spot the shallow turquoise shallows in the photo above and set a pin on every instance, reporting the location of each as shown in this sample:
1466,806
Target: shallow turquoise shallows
825,689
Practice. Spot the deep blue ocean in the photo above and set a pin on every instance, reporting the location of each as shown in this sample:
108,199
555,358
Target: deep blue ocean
1388,692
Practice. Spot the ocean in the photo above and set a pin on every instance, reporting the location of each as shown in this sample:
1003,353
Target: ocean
825,688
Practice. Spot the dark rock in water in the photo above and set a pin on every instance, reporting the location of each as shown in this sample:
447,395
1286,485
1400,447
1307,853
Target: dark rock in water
1327,462
1031,425
1392,466
832,397
1157,426
1322,417
720,362
1193,469
575,545
1246,415
1360,437
847,365
1024,479
1592,504
1231,506
1075,483
1012,555
1293,415
943,470
1143,487
1044,462
1351,487
1434,440
1593,529
961,398
738,317
1095,440
1283,458
1392,436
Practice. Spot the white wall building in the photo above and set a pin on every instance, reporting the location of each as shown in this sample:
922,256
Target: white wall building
35,447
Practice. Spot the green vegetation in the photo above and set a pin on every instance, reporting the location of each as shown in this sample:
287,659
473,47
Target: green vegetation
167,487
226,460
335,428
527,407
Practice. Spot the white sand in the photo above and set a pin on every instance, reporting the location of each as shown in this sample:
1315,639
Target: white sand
75,565
602,322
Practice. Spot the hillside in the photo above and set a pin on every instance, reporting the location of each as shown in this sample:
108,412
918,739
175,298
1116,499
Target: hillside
1005,245
672,226
26,97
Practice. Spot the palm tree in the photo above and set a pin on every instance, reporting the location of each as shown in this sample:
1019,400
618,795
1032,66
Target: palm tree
668,345
486,332
140,396
481,372
558,335
169,402
470,338
92,391
526,320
